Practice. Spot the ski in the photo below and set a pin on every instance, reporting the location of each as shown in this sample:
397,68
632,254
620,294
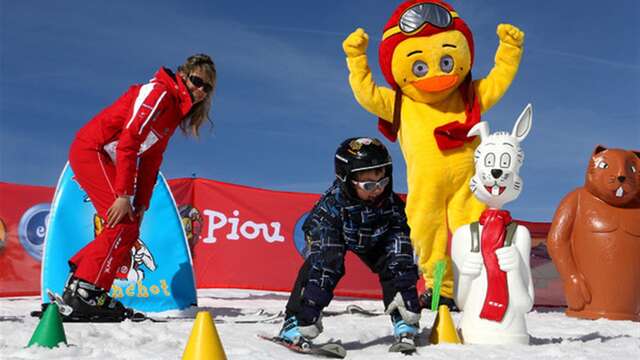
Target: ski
261,317
404,345
353,309
328,350
136,316
66,312
357,309
11,318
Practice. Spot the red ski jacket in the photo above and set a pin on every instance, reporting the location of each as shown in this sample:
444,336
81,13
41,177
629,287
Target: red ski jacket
135,129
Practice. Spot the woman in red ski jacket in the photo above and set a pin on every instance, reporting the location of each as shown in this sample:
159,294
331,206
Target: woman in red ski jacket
115,158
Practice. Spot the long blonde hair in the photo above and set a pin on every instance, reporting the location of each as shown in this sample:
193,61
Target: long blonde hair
199,113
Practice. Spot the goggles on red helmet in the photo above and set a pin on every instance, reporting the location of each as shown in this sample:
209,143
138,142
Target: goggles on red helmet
419,15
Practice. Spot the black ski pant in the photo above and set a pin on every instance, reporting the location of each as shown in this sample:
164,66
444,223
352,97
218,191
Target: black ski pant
376,259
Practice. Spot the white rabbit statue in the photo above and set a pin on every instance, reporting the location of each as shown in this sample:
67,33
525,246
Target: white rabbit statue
493,285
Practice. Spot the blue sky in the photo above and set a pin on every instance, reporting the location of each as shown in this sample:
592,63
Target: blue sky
283,102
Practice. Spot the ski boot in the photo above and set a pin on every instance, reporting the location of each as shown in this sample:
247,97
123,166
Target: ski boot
92,304
425,301
292,336
290,333
405,335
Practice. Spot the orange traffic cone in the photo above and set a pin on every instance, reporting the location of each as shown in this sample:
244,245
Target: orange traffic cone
204,342
444,330
49,332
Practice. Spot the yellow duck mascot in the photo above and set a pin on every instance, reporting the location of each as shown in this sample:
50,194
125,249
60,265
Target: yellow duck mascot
426,55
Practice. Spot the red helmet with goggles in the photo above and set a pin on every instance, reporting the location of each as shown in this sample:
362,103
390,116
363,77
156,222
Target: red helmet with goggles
416,18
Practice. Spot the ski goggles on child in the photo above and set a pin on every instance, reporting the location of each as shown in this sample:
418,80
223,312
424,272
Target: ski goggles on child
199,83
369,186
419,15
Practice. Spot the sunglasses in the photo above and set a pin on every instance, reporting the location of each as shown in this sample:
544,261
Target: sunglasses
199,83
414,18
369,186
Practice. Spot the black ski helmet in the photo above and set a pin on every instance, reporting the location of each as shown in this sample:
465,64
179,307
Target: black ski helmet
360,154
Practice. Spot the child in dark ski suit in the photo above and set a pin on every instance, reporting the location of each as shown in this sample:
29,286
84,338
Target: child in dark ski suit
358,213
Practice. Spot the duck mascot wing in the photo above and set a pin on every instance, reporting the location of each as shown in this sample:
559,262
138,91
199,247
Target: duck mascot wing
426,56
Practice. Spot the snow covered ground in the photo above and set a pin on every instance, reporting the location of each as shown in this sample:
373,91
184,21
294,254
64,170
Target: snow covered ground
554,336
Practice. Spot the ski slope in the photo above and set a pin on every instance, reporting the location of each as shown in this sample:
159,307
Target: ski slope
554,336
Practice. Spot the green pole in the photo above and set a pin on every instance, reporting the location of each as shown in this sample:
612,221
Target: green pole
438,275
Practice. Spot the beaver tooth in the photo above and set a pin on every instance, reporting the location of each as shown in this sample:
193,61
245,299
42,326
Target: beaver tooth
619,192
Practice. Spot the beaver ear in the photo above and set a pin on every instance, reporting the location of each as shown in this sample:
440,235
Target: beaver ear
599,149
637,153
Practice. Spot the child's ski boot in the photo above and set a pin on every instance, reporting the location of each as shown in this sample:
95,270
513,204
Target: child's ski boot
405,335
291,338
290,333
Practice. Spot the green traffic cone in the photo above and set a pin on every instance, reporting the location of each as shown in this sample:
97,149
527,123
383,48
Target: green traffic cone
49,332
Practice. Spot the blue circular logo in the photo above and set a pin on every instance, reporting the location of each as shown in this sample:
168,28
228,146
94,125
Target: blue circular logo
33,228
298,237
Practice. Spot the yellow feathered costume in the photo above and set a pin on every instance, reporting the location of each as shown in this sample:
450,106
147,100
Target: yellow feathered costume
427,54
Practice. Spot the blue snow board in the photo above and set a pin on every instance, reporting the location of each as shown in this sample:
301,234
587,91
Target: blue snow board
159,275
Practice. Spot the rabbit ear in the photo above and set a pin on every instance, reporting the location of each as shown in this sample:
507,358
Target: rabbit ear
481,128
523,124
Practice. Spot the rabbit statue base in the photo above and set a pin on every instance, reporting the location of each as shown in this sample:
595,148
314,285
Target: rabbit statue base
512,329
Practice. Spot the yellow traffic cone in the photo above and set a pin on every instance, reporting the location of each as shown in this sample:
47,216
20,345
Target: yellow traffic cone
444,330
204,342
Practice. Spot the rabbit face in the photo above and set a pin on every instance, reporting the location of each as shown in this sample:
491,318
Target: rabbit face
497,162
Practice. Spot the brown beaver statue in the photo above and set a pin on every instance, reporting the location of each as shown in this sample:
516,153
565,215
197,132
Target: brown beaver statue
594,240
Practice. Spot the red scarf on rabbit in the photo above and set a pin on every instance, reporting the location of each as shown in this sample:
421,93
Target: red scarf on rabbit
494,229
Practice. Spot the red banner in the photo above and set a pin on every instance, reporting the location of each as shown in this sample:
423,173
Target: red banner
23,212
240,237
248,240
